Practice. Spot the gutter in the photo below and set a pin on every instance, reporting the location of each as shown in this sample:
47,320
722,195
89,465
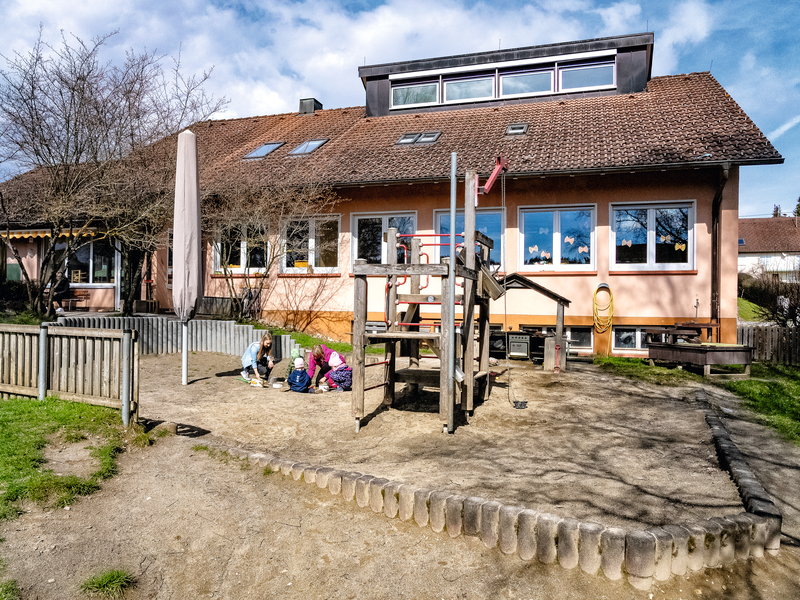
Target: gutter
716,245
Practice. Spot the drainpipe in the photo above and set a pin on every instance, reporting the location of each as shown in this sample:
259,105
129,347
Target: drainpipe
716,246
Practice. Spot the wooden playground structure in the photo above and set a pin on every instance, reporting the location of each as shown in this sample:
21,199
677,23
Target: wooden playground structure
462,375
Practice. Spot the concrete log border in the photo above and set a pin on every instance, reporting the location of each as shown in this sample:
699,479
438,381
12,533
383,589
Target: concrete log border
639,556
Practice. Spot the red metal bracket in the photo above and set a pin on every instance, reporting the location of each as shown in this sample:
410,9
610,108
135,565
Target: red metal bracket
502,165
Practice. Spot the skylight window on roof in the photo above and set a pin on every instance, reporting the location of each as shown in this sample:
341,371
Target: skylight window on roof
427,137
517,129
262,151
308,147
741,242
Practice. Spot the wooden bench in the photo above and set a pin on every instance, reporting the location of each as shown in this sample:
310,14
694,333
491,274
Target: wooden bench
75,296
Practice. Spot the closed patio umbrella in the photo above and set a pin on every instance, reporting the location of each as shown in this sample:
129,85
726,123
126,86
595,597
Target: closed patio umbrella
187,269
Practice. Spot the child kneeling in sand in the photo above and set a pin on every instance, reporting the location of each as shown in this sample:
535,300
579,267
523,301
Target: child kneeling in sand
299,381
340,377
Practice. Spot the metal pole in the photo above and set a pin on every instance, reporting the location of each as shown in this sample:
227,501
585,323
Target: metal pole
42,361
126,376
451,281
185,356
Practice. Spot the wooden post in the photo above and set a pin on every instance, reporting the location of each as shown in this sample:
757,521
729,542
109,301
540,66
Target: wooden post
562,353
445,383
391,314
468,326
359,327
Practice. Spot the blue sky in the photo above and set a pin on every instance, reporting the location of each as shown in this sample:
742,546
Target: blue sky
266,55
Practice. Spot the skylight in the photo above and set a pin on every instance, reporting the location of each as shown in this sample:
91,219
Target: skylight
517,129
427,137
309,146
262,151
741,242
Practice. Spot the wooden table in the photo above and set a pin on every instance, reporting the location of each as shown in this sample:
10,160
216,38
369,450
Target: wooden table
704,355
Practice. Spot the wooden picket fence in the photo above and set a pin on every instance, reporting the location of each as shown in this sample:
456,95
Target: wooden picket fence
778,345
79,364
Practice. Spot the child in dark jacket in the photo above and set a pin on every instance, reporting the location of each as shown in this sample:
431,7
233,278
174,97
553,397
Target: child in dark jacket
340,376
299,381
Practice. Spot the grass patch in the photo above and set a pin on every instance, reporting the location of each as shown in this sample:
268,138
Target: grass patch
772,392
24,318
26,425
639,368
9,590
747,310
109,584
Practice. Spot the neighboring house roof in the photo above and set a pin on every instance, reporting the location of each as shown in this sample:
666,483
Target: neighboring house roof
680,121
769,235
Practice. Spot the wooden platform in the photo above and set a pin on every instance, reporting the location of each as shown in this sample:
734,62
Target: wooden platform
704,355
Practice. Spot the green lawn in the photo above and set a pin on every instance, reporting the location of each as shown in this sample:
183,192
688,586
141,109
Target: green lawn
747,310
26,425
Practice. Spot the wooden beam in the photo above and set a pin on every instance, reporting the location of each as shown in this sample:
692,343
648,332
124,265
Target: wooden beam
401,270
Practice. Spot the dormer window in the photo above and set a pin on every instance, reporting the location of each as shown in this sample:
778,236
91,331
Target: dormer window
589,77
427,137
517,129
308,147
526,84
415,95
262,151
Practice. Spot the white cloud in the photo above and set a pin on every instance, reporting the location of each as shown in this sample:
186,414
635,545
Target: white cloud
618,18
689,23
784,128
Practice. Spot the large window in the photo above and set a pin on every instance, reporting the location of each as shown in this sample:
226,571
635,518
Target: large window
489,222
590,77
630,338
415,95
370,229
311,245
241,249
557,238
526,84
93,263
469,89
657,237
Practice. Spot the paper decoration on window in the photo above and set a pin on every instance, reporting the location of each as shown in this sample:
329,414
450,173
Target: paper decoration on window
626,243
666,238
545,254
544,230
533,249
569,240
679,246
582,249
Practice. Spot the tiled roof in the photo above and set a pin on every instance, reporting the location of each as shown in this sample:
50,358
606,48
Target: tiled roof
681,119
765,236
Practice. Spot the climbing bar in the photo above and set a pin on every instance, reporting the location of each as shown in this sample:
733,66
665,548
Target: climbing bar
379,385
421,235
375,364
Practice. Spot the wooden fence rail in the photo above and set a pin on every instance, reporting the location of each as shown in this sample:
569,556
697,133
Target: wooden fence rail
78,364
778,345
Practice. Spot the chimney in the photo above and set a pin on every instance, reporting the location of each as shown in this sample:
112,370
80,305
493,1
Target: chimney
309,105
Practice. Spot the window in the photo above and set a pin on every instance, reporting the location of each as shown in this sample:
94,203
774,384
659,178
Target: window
308,147
580,337
526,84
93,263
558,238
741,242
415,95
240,249
659,237
470,89
629,338
262,151
489,222
427,137
311,245
586,77
517,129
370,229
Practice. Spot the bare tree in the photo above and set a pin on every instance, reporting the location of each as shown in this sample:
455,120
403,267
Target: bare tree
257,229
91,142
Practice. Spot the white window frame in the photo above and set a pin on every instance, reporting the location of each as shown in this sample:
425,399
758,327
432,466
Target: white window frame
242,254
566,68
355,217
502,76
438,214
640,333
557,210
103,285
312,225
492,96
651,264
400,106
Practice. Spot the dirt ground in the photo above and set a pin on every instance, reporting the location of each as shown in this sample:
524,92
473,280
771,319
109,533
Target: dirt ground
589,446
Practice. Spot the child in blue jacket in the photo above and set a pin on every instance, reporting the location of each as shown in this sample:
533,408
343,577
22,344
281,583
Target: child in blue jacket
299,381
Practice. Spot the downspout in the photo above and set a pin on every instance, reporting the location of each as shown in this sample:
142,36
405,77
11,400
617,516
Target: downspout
716,246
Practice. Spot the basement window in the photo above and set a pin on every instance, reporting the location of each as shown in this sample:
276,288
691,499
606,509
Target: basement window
308,147
262,151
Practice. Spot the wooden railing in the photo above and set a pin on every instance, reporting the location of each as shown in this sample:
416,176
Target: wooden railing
82,365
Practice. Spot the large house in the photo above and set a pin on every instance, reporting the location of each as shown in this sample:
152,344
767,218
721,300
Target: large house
770,245
614,177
